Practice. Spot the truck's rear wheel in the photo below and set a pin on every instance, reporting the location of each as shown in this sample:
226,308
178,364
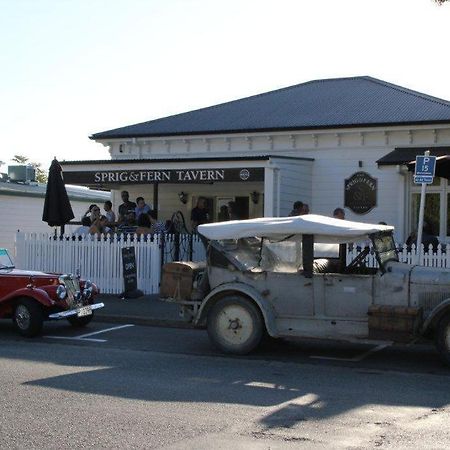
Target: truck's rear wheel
28,317
443,339
235,325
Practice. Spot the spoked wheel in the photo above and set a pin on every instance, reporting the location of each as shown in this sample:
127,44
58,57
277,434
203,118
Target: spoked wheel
443,339
235,325
28,317
80,322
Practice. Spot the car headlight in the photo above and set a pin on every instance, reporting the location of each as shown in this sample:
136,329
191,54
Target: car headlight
61,292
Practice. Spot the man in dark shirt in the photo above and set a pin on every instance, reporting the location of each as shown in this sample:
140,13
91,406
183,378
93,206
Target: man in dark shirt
126,206
199,214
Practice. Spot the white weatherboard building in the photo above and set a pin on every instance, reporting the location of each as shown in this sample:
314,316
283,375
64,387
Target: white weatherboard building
329,143
22,205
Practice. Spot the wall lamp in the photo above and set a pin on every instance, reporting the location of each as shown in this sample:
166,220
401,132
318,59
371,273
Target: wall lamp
183,197
255,197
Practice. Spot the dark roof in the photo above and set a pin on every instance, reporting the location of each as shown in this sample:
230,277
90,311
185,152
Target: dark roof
333,103
404,155
171,160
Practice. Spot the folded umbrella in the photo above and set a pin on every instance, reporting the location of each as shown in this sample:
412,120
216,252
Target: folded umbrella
57,208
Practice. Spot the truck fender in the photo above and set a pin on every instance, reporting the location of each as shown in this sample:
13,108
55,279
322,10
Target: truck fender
245,290
35,293
436,315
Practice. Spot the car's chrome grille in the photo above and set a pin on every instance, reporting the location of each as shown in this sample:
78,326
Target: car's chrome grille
73,286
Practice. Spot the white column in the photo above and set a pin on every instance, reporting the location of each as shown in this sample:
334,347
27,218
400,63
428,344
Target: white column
269,180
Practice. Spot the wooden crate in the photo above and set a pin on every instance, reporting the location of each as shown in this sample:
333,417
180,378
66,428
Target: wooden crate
178,278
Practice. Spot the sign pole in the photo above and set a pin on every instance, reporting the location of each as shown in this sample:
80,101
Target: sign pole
420,225
421,214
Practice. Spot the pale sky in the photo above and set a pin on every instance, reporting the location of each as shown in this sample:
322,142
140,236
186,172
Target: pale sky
70,68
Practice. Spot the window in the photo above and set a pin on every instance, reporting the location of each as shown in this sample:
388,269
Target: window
437,208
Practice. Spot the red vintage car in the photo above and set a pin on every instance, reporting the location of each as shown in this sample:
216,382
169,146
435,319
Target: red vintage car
30,298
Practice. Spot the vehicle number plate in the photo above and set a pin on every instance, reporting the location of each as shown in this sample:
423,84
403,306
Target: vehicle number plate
84,311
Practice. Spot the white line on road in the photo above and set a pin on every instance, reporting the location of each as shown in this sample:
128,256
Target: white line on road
355,358
76,338
86,337
104,331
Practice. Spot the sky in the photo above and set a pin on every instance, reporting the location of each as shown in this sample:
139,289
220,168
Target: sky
71,68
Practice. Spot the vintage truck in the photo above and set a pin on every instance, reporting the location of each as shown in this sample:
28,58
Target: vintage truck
291,276
30,297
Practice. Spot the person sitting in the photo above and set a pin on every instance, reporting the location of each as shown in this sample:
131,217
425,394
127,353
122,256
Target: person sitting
427,239
297,209
305,209
128,226
141,207
109,213
157,225
85,226
125,206
100,226
144,225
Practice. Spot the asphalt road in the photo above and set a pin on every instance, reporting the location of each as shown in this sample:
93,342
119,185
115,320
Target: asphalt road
144,387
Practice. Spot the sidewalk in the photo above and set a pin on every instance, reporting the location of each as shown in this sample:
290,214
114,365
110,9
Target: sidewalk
146,310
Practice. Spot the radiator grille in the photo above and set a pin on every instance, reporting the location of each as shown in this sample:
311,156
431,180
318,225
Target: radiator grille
429,300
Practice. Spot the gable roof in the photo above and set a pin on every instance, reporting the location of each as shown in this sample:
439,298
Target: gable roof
333,103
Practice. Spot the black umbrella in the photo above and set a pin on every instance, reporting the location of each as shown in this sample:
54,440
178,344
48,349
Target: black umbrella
57,209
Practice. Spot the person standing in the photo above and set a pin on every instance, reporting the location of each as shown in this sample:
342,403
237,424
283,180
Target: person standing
141,208
109,213
199,214
339,213
297,209
126,206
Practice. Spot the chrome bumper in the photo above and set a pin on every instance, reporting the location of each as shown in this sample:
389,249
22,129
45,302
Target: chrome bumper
73,312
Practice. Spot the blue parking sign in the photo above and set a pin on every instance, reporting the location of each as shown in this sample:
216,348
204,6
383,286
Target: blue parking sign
425,166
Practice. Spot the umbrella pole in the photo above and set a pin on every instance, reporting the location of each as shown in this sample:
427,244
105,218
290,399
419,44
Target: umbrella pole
63,228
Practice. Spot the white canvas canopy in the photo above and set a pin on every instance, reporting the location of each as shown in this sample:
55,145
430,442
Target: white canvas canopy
325,229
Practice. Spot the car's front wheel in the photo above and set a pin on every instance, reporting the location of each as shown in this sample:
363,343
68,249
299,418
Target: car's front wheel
443,339
28,317
80,322
235,325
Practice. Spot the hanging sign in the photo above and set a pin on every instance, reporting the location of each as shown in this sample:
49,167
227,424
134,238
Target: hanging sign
360,193
145,176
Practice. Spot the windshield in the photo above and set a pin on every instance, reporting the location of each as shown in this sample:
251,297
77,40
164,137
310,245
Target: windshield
265,254
5,260
384,246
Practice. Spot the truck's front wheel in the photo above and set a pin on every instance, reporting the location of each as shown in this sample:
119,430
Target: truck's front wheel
235,325
443,339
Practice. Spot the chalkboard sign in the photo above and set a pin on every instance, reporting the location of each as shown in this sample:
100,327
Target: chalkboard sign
129,270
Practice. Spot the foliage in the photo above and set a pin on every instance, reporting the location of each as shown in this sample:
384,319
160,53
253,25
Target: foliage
41,175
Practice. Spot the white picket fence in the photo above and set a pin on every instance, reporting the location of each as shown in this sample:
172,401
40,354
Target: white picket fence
429,258
100,260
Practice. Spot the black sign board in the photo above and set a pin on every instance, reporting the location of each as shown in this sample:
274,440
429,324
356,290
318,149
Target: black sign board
146,176
360,193
129,269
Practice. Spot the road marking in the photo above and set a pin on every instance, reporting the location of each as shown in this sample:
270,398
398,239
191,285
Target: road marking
104,331
86,337
75,338
357,358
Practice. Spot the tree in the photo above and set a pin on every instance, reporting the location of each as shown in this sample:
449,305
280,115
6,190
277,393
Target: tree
41,175
440,2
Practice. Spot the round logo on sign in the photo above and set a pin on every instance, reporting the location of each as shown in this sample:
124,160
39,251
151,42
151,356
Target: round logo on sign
244,174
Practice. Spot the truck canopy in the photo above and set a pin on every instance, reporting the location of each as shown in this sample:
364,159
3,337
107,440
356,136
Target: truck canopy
327,230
